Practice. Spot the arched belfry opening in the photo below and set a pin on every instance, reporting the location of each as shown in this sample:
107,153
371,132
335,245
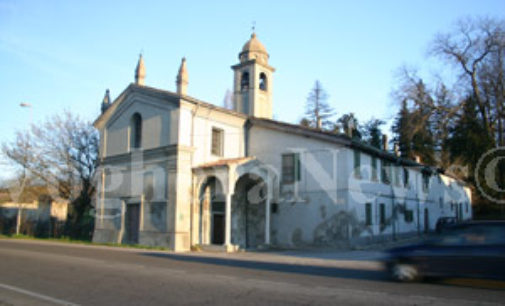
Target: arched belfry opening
212,212
248,207
263,82
244,81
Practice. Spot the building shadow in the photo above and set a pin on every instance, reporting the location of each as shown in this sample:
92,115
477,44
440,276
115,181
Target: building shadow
336,272
354,255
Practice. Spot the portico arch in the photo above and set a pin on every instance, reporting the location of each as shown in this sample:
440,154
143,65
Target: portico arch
211,212
249,211
244,188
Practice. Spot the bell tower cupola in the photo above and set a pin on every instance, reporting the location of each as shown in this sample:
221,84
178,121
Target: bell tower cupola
252,88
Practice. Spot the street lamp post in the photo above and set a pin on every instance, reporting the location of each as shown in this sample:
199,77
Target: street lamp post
18,219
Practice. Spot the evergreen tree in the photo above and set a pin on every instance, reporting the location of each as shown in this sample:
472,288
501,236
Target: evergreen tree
372,132
413,127
468,139
350,126
442,120
401,130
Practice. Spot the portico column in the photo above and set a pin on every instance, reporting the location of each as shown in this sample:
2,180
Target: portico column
227,230
267,221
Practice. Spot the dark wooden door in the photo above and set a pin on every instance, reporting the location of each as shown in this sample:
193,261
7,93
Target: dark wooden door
217,229
132,222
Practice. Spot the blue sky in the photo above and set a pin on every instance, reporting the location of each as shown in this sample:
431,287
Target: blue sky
60,55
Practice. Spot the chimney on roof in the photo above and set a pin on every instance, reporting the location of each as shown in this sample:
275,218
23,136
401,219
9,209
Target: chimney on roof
417,158
396,148
350,125
385,142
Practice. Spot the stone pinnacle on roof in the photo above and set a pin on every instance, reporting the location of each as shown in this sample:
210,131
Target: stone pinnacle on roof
182,78
140,71
106,100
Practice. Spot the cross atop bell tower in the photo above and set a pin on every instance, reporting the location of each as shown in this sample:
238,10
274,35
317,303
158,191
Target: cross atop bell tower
252,88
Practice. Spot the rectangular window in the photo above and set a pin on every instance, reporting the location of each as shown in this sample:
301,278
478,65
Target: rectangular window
275,208
382,214
368,214
291,171
409,216
397,176
148,186
217,142
385,172
405,177
374,168
426,182
357,164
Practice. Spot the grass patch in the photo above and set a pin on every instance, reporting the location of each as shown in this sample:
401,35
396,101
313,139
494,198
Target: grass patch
84,242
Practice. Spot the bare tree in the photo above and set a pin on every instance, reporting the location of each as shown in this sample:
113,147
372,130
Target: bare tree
476,47
62,153
318,111
228,99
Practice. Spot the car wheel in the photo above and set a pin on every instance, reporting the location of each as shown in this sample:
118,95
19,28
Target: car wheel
404,272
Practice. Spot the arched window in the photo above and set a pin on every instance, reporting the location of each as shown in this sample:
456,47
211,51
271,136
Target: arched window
244,81
263,81
136,131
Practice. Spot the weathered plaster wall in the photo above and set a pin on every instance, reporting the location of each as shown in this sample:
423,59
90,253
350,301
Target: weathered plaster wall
327,206
195,131
157,123
137,178
306,208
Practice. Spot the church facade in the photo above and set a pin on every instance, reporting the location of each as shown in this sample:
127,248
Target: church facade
181,173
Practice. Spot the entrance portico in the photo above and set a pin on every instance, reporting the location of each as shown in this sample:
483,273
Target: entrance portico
236,193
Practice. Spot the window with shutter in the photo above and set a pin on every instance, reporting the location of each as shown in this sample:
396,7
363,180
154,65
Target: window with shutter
291,168
217,142
368,214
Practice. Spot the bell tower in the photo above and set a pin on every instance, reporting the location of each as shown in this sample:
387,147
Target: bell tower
252,87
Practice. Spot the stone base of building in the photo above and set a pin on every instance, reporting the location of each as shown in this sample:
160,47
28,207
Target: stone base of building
230,248
155,239
105,236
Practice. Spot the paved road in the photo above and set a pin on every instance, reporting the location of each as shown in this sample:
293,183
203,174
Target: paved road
45,273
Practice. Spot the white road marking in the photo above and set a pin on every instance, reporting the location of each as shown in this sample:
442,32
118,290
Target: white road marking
37,295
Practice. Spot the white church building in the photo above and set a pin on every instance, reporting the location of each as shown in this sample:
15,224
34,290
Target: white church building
181,173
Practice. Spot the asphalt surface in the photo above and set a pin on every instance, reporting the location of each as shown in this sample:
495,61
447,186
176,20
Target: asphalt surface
44,273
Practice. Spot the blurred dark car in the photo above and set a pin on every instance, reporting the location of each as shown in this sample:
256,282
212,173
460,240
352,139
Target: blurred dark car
471,249
445,222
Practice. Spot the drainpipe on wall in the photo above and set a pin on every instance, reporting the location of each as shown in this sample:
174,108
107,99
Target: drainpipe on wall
247,127
395,215
418,224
